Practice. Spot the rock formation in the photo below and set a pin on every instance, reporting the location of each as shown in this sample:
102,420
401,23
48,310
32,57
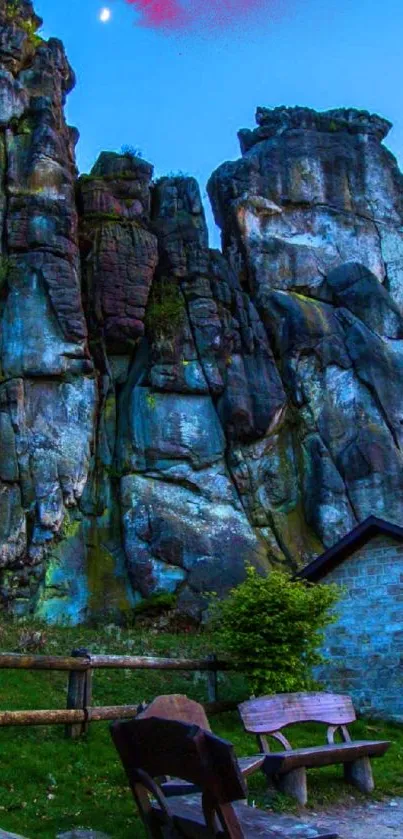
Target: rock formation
48,390
167,411
312,222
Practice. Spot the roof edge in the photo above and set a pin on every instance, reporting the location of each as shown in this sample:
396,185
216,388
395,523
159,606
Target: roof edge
362,533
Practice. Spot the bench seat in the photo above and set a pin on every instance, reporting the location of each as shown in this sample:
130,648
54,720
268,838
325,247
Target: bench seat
279,762
247,765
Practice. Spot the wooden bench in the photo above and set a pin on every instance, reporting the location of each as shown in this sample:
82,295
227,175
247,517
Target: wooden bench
152,747
177,706
267,715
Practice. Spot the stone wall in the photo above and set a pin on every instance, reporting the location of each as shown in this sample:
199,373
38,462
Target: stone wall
365,647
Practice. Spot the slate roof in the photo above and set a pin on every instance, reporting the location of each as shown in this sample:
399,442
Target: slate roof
356,538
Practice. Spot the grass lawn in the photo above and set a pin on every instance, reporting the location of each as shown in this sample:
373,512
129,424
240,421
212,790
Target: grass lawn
49,784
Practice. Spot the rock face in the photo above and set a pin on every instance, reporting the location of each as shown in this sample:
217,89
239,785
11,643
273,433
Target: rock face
168,412
48,392
312,222
163,339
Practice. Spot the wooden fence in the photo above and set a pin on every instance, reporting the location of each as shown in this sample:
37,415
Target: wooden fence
81,665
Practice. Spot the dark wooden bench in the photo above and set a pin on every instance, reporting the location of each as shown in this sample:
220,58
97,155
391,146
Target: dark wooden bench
153,747
267,715
177,706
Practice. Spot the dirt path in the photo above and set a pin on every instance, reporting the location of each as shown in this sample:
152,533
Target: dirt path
375,820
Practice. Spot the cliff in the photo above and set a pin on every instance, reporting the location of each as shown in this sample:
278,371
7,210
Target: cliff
168,412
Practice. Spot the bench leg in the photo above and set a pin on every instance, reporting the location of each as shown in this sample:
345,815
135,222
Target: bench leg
359,773
294,784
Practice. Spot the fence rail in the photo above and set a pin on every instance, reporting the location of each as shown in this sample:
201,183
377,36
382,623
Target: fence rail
18,661
80,666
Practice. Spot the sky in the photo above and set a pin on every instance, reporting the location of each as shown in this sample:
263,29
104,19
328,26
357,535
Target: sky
178,78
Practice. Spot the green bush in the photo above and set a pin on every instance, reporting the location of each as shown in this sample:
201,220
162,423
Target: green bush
171,175
151,400
30,28
273,626
131,151
165,309
162,601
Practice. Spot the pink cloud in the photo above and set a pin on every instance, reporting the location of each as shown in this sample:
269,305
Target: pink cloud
187,14
160,13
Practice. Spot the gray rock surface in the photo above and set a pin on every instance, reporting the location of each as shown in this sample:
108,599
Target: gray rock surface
168,412
308,215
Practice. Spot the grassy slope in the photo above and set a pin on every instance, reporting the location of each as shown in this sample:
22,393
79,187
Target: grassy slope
49,784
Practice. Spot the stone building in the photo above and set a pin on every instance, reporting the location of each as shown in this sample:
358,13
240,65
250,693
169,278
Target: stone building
364,648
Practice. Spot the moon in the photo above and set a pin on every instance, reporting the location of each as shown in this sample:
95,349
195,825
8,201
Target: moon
105,15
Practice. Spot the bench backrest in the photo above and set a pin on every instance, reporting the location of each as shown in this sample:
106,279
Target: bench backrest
176,706
266,714
153,747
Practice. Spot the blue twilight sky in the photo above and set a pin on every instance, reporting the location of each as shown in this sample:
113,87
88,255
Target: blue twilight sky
181,97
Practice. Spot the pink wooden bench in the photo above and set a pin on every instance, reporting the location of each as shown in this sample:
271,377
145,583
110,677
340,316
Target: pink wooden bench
267,715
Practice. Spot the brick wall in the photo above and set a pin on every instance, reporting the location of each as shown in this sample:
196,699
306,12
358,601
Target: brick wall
364,649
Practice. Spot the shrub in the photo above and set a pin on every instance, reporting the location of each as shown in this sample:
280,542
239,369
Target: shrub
162,601
171,176
278,622
131,151
165,309
151,400
30,28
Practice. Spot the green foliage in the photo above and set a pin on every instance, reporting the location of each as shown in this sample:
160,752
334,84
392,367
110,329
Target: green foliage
24,126
154,605
112,471
30,28
21,126
165,309
151,400
131,151
278,622
171,175
108,216
5,270
13,9
13,13
70,526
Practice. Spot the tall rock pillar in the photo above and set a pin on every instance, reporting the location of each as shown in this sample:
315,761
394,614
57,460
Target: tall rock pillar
47,384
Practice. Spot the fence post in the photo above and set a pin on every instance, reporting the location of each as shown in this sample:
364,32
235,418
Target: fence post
212,685
79,692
